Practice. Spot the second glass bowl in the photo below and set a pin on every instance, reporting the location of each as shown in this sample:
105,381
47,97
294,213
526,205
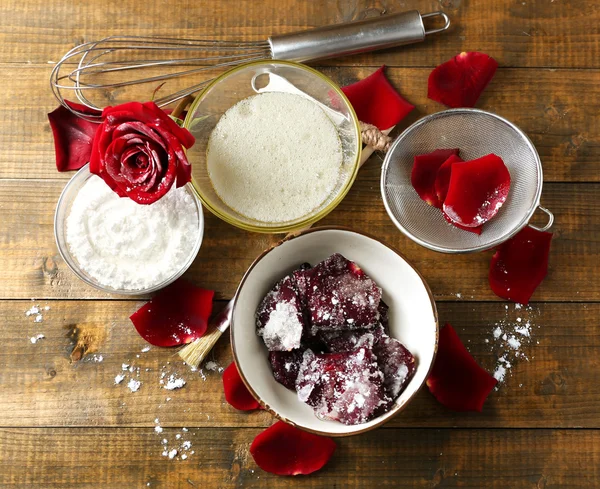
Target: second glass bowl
257,77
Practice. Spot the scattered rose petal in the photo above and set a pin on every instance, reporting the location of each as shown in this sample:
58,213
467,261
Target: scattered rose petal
424,173
285,450
73,136
456,380
376,101
520,264
477,190
178,314
236,392
476,230
460,81
442,179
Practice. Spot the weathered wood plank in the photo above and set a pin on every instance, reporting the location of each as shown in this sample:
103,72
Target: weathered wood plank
32,267
111,459
43,384
557,109
517,33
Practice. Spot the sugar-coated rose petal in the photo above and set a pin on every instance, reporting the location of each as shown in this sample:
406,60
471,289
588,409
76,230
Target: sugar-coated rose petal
285,450
477,190
456,380
520,264
73,136
285,366
236,392
178,314
424,172
476,230
460,81
442,179
376,101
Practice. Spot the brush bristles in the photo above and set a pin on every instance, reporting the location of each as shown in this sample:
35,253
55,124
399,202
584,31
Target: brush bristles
194,353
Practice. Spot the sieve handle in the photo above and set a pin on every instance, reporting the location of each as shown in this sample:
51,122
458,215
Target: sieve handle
548,224
360,36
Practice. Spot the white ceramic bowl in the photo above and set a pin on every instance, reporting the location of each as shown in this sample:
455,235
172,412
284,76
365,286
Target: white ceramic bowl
413,319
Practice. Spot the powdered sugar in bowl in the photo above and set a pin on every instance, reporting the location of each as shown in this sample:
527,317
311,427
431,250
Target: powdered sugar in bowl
122,247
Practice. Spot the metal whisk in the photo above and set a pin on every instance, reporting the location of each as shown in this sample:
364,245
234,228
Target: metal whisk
110,69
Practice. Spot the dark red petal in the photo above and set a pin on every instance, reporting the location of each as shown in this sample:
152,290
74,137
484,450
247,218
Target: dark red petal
477,190
456,380
520,264
442,179
424,173
460,81
476,230
236,392
285,450
376,101
73,136
178,314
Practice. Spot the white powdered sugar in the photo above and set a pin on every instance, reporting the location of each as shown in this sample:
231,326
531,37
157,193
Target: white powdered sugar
274,157
36,338
283,330
173,383
125,245
509,336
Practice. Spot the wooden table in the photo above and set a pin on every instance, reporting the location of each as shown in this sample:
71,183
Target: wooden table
64,422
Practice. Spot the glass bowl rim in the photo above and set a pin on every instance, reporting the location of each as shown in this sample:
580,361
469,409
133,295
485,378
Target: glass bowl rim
280,228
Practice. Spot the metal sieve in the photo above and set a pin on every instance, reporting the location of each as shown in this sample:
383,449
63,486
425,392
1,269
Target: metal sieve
477,133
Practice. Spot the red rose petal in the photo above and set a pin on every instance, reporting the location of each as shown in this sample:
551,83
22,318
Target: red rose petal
376,101
424,173
285,450
477,190
477,230
460,81
236,392
442,179
178,314
520,264
456,380
73,136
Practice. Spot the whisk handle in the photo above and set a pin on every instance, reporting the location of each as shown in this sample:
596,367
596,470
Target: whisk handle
361,36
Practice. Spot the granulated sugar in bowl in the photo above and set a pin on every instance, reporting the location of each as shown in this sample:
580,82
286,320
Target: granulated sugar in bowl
123,247
277,146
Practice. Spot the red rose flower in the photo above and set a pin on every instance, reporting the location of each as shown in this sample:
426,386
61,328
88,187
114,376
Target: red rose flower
138,151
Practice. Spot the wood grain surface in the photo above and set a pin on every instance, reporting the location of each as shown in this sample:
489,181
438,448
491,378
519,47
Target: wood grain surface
65,422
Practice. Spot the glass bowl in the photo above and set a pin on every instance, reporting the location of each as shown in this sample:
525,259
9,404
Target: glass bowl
63,209
271,76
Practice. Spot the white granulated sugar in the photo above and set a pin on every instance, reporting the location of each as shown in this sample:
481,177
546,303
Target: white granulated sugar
38,319
125,366
173,383
283,330
213,366
158,429
514,343
37,337
125,245
119,378
134,385
173,453
497,332
145,349
186,445
184,457
274,157
499,373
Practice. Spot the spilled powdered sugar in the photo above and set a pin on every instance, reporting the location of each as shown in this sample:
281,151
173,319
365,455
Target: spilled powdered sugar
510,336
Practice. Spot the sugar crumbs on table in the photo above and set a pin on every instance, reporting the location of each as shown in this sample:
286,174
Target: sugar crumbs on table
37,337
134,385
119,378
213,366
174,382
510,335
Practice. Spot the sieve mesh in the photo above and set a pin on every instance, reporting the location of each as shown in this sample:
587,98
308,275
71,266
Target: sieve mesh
476,133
